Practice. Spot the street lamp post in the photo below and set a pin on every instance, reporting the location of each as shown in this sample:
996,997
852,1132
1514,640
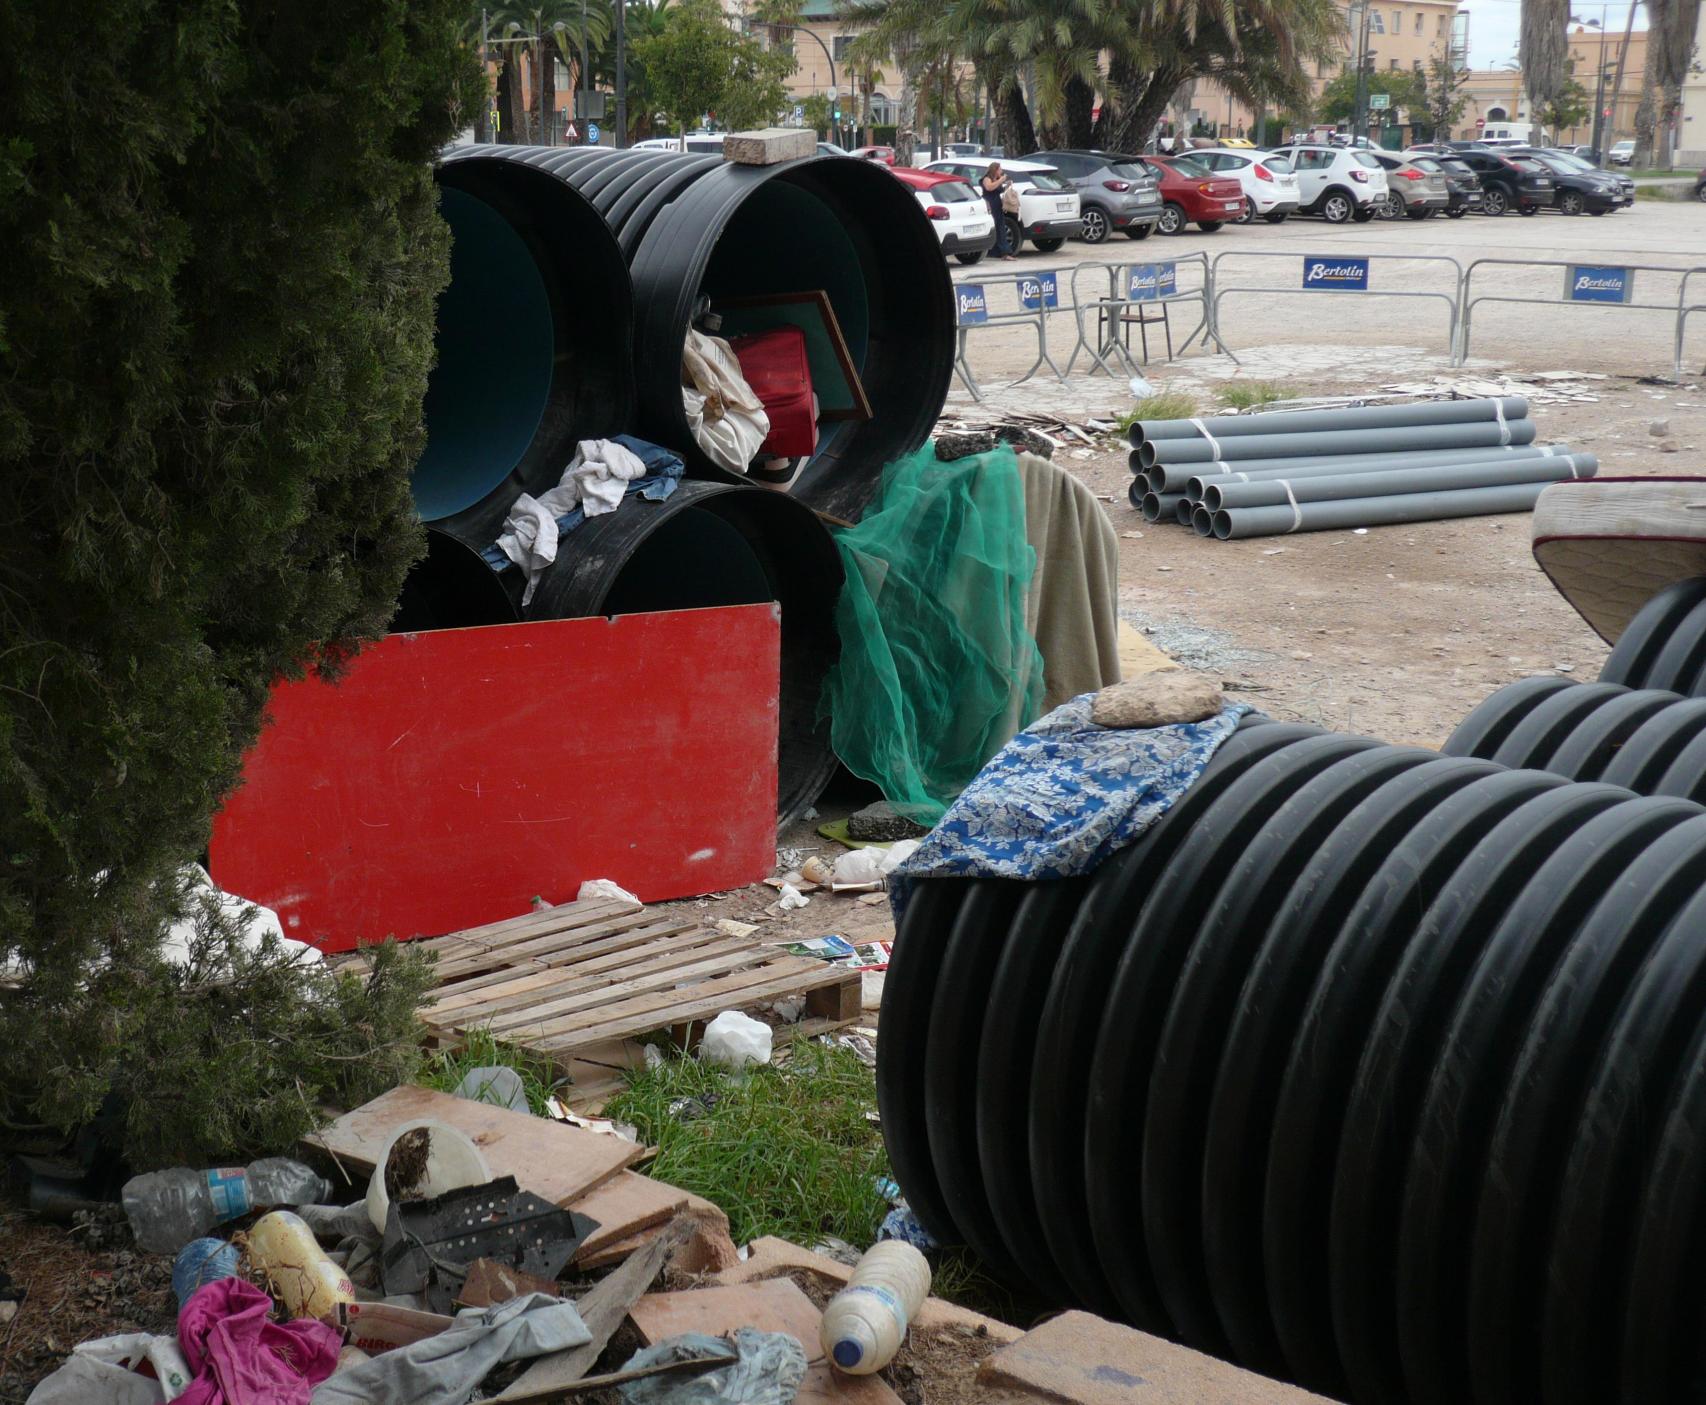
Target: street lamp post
1599,80
829,58
621,73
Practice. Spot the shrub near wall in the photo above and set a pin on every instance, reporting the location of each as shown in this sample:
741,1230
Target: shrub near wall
220,260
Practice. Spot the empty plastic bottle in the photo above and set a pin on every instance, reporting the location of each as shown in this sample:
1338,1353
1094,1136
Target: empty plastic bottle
167,1209
865,1323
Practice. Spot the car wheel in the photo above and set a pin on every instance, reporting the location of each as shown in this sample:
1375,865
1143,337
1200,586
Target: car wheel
1421,214
1140,231
1364,213
969,259
1700,192
1455,214
1172,219
1248,213
1337,207
1570,202
1095,226
1209,226
1494,201
1048,246
1391,206
1278,217
1015,235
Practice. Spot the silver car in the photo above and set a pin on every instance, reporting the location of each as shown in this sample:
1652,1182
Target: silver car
1415,186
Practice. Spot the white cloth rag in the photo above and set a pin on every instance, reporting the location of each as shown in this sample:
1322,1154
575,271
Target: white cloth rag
727,420
595,482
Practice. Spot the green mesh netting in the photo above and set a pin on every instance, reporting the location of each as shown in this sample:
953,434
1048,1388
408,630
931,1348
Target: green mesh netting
937,669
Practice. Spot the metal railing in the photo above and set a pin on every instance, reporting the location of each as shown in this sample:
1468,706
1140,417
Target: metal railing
1035,294
1622,275
1341,275
1132,286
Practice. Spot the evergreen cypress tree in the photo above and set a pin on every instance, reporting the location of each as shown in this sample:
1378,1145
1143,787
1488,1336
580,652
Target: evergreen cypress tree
219,255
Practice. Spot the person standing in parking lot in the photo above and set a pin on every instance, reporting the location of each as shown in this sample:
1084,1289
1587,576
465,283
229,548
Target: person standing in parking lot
995,185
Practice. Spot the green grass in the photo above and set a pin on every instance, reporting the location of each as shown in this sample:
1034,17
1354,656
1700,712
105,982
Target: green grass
1664,192
1248,395
1164,405
480,1050
786,1149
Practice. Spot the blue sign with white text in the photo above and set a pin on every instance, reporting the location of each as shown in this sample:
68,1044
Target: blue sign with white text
1039,292
1598,283
1148,281
1335,275
970,305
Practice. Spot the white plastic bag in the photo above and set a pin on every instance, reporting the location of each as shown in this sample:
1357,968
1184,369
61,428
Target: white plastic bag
727,420
101,1372
734,1040
604,888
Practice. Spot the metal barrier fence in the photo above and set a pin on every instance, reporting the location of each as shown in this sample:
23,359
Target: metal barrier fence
1035,295
1343,274
1584,285
1134,289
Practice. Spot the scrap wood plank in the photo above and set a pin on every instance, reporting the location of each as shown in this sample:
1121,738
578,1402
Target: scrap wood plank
542,944
626,1206
497,984
553,1160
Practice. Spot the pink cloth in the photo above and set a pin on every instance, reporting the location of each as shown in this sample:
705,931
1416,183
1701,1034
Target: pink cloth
240,1356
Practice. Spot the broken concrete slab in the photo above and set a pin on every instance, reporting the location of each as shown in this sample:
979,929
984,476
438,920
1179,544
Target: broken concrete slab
1080,1359
769,145
770,1257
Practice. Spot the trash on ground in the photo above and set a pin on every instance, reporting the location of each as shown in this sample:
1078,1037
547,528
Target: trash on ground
497,1084
865,1323
767,1370
167,1209
734,1041
603,888
282,1249
200,1262
107,1371
423,1159
237,1354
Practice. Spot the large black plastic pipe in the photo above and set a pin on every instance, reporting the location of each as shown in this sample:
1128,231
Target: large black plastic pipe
695,226
1669,627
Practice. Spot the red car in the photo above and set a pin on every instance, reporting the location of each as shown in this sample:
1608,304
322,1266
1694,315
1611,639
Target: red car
1193,194
882,154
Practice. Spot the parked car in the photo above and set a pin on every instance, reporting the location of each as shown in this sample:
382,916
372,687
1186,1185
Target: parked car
1586,153
694,143
1580,186
1193,194
884,155
1700,185
1048,207
1415,186
956,211
1463,185
1510,181
1114,192
1268,182
1622,152
1335,182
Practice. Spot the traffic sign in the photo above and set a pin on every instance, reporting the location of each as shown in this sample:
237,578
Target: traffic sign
592,133
1377,101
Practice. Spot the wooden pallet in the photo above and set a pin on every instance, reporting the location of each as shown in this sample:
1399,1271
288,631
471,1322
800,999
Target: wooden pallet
563,980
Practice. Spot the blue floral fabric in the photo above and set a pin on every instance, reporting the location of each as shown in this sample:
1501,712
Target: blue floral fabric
1062,796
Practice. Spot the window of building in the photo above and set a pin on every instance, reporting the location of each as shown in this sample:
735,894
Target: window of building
1419,18
1394,63
1416,65
840,43
1375,24
1397,21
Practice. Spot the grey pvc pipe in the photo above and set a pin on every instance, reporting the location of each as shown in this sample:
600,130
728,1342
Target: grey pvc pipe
1182,511
1232,524
1175,479
1339,441
1309,421
1161,506
1431,479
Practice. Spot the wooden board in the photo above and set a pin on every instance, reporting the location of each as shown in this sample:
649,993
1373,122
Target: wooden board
554,1161
774,1306
450,777
626,1206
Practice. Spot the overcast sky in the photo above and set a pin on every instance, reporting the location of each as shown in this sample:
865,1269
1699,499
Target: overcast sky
1495,24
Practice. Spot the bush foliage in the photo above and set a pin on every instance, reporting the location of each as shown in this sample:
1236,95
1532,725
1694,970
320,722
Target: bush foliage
221,257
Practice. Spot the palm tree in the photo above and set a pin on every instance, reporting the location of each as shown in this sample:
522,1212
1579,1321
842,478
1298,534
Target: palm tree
1544,47
1670,53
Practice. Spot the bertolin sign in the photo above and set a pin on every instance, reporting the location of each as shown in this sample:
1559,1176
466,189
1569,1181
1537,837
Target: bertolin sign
1598,283
970,304
1148,281
1335,275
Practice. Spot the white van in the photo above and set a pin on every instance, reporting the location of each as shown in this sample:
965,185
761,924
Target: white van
1511,134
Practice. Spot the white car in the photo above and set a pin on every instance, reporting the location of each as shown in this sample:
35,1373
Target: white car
1270,185
1336,182
956,211
1048,207
694,143
1622,152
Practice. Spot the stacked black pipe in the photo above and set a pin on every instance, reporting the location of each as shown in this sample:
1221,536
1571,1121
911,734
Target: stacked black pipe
1664,646
1370,1068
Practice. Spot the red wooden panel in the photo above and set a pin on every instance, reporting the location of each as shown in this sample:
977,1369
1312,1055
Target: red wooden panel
451,776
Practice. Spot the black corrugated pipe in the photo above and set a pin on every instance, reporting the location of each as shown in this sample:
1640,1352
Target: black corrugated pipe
1370,1068
531,346
695,225
1664,646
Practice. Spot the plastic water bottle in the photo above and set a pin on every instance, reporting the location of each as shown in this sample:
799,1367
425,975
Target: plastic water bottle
167,1209
865,1323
